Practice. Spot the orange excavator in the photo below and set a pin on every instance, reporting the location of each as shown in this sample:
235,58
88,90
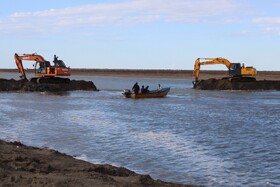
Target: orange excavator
45,72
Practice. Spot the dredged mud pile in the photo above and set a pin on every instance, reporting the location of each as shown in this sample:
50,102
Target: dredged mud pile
21,165
24,85
225,84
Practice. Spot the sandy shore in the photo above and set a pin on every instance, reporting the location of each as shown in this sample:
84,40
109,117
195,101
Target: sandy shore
22,165
177,74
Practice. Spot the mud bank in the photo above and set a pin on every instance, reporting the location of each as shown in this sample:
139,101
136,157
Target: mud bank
224,84
22,85
21,165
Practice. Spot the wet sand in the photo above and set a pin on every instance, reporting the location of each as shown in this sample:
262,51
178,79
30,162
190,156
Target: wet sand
238,84
22,165
24,85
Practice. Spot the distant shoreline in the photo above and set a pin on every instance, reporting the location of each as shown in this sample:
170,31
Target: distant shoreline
156,73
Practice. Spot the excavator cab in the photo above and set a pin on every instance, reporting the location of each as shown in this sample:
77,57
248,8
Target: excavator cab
238,70
234,69
41,67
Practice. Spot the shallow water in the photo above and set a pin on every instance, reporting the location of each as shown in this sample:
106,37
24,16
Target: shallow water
212,138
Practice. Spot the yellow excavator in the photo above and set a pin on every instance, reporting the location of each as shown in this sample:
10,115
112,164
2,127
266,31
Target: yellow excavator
235,70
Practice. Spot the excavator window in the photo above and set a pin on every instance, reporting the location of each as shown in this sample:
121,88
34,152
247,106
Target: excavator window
235,69
232,67
40,67
48,64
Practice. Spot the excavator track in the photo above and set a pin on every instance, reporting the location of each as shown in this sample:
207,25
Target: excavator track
240,79
50,80
243,79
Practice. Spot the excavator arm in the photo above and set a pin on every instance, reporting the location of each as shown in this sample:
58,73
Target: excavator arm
208,61
33,57
20,66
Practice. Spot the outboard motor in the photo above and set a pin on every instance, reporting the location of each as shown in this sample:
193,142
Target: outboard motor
126,92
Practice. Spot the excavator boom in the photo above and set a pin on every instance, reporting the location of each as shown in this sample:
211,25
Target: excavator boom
208,61
19,59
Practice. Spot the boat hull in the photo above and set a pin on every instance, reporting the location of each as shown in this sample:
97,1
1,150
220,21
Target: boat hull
152,94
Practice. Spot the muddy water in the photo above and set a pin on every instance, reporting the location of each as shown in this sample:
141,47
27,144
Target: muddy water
212,138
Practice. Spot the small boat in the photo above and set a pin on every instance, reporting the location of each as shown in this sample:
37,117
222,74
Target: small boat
151,94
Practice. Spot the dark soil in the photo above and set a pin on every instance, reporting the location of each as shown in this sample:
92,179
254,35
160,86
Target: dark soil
24,85
225,84
21,165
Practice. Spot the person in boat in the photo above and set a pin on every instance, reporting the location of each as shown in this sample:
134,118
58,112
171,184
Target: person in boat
143,89
146,90
136,88
159,87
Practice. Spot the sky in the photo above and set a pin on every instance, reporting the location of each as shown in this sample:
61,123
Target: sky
142,34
